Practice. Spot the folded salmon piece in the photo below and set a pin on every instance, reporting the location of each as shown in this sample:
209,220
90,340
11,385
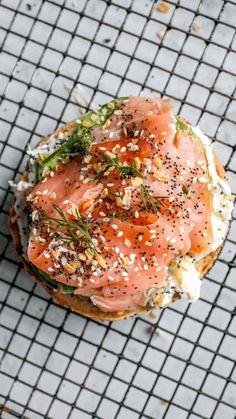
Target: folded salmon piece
109,223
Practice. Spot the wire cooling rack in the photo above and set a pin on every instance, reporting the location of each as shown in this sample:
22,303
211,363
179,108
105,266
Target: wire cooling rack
61,57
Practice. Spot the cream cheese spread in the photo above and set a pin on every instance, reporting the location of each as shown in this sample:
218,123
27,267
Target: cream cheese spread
185,278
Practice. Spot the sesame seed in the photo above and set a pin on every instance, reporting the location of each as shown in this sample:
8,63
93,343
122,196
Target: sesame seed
50,269
160,176
136,214
137,162
63,260
114,226
102,214
117,250
66,202
110,184
173,241
202,179
147,243
102,238
95,242
127,243
145,267
136,181
53,195
95,273
123,149
124,274
120,233
86,180
46,255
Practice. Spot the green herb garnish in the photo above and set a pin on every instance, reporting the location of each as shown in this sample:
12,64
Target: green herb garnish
116,215
181,125
184,127
51,283
150,201
125,170
67,289
81,139
75,233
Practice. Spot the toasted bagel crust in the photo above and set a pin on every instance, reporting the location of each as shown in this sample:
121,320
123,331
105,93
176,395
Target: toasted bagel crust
80,304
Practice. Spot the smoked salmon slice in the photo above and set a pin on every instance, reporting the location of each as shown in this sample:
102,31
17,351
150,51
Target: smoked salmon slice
109,222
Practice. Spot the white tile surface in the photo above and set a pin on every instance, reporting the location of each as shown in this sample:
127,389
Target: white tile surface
55,363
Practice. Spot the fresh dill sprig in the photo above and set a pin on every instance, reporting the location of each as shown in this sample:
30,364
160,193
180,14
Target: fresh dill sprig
52,284
79,142
120,216
181,126
125,170
81,227
150,201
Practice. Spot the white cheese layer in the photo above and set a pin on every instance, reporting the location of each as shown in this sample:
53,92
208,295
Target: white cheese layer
185,278
21,187
19,191
222,203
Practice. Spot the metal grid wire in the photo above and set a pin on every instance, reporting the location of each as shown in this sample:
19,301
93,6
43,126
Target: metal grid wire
55,364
